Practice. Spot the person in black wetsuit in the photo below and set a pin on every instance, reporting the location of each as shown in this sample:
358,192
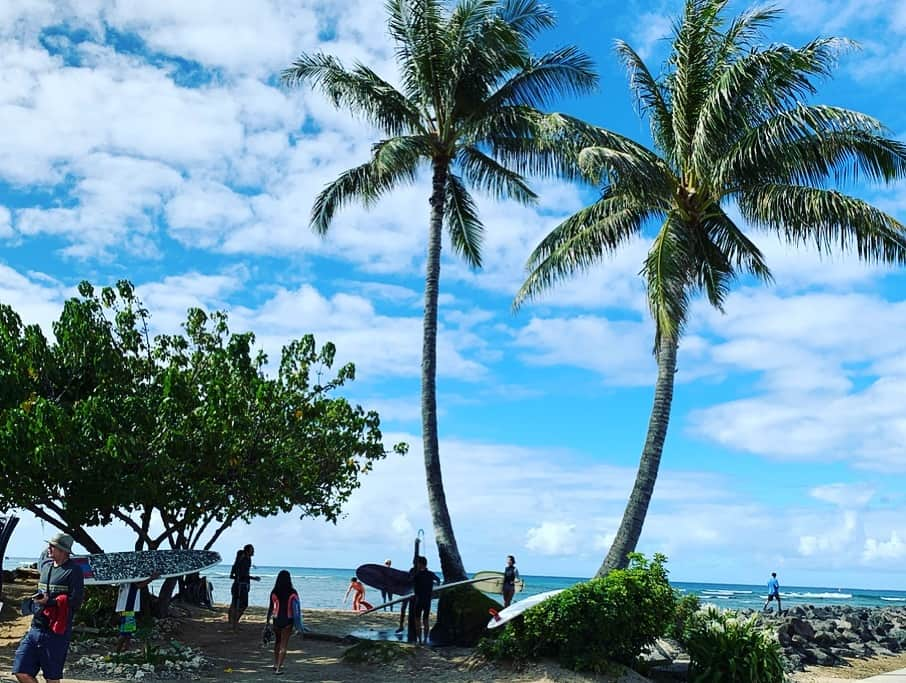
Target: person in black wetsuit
242,578
510,574
423,582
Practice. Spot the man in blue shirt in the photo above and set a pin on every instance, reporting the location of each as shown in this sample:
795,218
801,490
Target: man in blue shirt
773,592
60,592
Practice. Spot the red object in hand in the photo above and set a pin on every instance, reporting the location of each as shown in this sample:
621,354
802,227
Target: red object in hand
58,614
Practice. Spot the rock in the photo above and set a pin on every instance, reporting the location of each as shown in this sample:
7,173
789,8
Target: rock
802,628
825,638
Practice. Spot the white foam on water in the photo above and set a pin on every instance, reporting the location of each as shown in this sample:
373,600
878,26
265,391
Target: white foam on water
819,596
884,597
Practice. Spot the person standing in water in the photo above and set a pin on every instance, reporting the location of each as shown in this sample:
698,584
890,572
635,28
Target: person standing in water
510,575
773,592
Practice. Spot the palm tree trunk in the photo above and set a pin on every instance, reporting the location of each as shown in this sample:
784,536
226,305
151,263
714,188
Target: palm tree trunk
450,561
634,516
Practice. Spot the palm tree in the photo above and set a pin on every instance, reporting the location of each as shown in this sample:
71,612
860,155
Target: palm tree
730,126
468,109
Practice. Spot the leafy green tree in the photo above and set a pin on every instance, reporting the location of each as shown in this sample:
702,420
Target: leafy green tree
730,127
467,108
106,423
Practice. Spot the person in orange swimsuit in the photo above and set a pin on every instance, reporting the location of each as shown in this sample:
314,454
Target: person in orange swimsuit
359,604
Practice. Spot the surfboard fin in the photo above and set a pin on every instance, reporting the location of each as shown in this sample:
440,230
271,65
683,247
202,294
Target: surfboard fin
493,613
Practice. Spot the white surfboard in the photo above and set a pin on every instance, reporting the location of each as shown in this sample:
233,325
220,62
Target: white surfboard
517,608
437,589
492,582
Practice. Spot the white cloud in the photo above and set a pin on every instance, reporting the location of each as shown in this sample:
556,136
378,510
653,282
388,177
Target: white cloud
620,350
833,540
36,297
6,229
552,538
648,38
829,381
844,495
892,549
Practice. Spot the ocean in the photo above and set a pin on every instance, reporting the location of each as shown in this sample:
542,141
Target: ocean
324,588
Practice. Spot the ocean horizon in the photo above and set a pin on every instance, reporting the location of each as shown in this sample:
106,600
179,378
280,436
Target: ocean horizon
323,588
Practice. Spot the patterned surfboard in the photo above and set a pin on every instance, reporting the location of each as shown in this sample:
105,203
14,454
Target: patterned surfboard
126,567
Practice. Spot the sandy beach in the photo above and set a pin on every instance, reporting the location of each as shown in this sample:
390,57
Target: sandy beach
240,657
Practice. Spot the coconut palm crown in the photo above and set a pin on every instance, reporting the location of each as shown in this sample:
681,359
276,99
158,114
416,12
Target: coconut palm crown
468,109
732,125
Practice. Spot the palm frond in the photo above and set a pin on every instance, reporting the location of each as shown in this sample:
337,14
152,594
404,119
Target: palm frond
461,214
492,177
564,72
528,17
743,254
758,85
691,59
393,162
827,219
581,241
532,143
670,274
360,91
743,31
632,167
483,48
713,273
417,27
649,97
807,145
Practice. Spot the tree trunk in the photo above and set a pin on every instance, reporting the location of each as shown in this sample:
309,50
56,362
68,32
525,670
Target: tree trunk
164,596
634,516
450,561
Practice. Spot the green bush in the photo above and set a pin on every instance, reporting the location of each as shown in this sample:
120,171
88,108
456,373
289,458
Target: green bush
596,623
686,609
724,649
98,607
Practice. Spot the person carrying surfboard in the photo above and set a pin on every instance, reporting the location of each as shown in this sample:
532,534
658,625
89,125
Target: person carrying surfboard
423,582
510,575
128,604
61,588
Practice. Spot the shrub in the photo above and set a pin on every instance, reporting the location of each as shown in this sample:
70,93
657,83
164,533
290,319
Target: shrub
724,649
686,609
595,623
98,607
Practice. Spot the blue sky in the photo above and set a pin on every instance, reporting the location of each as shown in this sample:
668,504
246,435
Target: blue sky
151,141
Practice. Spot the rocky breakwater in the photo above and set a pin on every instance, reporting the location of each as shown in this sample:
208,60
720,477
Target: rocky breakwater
828,635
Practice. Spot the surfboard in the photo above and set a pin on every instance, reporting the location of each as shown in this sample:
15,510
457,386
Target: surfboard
517,608
492,582
437,589
384,578
126,567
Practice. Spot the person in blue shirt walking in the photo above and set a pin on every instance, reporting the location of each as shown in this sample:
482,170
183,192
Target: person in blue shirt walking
773,592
